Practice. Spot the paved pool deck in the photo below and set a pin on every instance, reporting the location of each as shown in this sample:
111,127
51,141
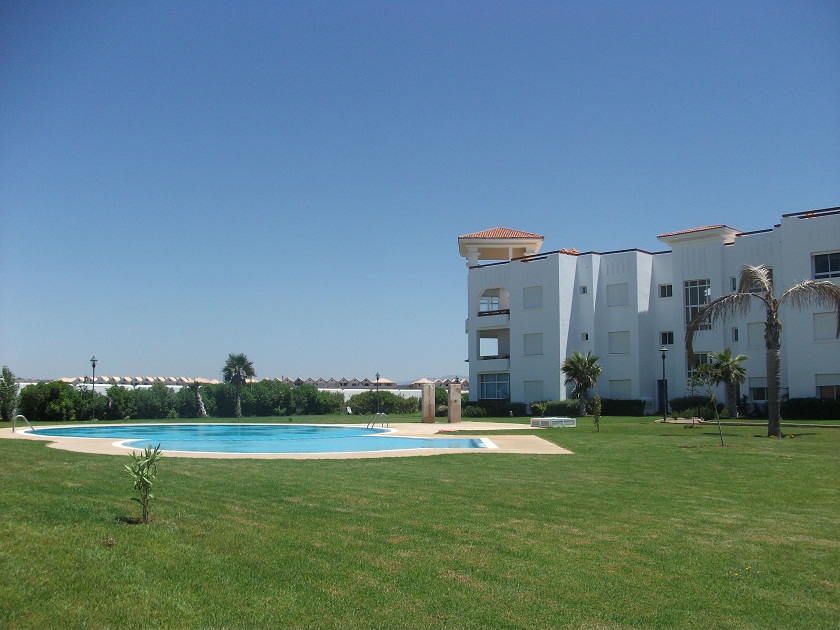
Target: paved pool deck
520,444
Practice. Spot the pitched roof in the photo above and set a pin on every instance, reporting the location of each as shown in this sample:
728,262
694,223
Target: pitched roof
501,232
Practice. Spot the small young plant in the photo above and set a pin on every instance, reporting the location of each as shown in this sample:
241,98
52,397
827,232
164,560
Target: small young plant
539,407
596,412
142,470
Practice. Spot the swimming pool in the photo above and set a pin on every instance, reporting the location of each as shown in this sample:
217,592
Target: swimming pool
255,439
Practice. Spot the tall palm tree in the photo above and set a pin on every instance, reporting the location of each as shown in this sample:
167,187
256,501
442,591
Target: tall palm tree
238,369
583,371
755,286
728,370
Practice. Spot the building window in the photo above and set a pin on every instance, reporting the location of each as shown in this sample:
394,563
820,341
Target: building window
828,391
826,266
666,290
618,294
494,386
734,335
619,342
584,336
489,301
733,283
532,297
825,326
700,358
828,385
583,289
532,344
697,293
666,338
758,389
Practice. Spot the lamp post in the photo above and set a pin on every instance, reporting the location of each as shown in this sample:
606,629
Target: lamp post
377,392
93,388
664,351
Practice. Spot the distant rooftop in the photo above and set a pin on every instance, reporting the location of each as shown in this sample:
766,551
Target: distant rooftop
697,229
502,232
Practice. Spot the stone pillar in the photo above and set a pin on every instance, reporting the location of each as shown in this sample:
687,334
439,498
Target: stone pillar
428,404
455,402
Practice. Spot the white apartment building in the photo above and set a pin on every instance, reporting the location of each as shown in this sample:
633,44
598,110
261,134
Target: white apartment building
528,311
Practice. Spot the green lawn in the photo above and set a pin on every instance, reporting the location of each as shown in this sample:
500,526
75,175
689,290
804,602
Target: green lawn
645,526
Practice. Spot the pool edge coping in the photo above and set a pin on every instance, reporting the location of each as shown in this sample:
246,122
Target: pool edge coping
520,444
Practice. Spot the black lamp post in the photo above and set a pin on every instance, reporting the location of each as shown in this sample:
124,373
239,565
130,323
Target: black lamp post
664,351
377,392
93,389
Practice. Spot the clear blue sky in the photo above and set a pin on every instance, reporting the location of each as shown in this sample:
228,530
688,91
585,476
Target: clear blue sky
184,180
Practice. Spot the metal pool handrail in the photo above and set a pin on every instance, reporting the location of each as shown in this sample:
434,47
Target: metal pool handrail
379,417
25,420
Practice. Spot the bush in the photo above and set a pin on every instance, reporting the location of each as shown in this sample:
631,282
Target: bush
186,406
51,402
154,403
683,403
388,402
811,409
704,413
472,411
122,403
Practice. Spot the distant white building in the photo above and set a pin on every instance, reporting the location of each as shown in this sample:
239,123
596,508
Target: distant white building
528,312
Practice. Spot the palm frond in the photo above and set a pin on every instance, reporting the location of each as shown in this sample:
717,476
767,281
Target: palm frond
755,278
734,304
812,293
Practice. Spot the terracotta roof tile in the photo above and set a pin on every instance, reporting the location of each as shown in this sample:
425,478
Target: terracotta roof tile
501,232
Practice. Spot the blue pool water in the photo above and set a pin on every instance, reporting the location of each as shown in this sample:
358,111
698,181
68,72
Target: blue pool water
259,438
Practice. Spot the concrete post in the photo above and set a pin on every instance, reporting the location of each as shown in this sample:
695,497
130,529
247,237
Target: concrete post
428,404
455,402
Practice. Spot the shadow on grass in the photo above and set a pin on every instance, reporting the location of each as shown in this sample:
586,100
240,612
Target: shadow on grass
130,520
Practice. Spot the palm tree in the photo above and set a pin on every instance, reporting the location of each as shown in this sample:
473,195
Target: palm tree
238,369
583,371
728,370
755,286
195,387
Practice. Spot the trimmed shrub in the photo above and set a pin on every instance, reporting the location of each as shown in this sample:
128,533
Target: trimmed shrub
564,408
471,410
614,407
388,402
811,409
495,408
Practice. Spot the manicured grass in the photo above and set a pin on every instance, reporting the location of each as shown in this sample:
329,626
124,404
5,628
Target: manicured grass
647,525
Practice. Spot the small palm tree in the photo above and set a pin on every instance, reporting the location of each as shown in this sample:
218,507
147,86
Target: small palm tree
728,370
755,286
238,369
583,371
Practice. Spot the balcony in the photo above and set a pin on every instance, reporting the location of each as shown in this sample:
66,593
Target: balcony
493,319
493,363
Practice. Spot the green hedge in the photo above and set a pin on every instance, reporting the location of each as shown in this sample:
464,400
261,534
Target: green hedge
811,409
613,407
563,408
